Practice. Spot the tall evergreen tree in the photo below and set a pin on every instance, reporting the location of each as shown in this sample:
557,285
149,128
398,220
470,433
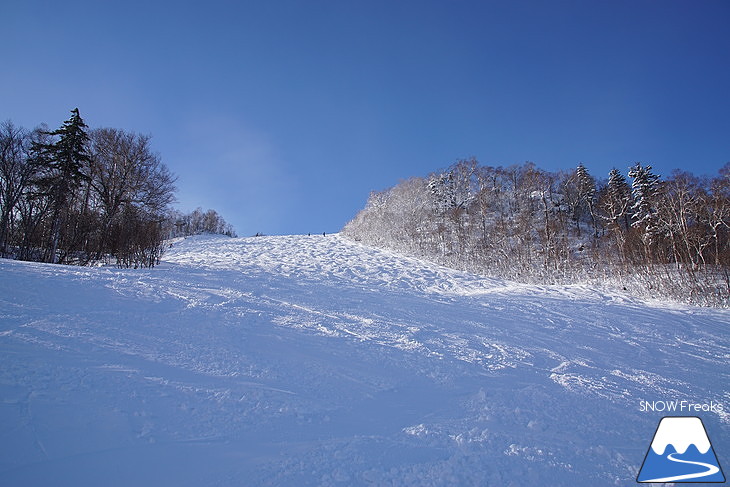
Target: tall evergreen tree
443,191
617,200
579,194
644,189
63,161
586,185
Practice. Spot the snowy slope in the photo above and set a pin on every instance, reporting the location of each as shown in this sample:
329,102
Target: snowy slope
317,361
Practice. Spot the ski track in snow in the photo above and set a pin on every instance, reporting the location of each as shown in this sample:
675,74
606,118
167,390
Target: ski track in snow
318,361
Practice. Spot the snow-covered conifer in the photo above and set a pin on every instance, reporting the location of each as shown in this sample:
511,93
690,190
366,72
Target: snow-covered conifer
617,200
442,189
644,188
586,185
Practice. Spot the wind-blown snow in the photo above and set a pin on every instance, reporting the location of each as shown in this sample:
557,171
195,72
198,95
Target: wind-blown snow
317,361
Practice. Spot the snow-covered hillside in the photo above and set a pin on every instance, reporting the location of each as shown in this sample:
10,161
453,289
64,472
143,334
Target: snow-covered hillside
317,361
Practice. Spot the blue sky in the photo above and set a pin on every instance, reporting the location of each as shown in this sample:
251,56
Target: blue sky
284,115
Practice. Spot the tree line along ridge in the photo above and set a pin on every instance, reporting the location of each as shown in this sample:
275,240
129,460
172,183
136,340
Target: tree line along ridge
658,237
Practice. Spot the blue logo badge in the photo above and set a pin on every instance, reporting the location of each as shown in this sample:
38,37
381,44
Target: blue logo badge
680,452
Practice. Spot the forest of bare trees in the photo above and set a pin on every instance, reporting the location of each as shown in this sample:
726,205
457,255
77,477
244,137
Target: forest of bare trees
198,222
77,196
654,236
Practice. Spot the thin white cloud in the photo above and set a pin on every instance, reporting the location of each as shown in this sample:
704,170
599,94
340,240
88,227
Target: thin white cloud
227,165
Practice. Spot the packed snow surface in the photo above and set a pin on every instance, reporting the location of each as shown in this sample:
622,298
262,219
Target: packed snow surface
317,361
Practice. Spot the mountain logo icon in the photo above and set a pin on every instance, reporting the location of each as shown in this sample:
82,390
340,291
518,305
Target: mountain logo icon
680,452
